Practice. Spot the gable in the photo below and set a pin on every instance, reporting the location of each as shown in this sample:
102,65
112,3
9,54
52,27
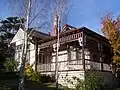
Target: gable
19,36
67,27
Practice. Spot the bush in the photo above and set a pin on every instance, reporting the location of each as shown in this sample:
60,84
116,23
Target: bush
92,81
29,71
47,78
11,65
117,89
36,76
31,74
41,78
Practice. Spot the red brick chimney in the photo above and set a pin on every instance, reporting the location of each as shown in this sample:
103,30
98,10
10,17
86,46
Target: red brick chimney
55,25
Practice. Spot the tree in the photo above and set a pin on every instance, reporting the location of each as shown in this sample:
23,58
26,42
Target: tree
60,8
42,12
111,30
39,11
11,65
11,24
8,29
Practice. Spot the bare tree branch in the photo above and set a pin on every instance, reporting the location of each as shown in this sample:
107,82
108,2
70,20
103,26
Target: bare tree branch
39,13
41,10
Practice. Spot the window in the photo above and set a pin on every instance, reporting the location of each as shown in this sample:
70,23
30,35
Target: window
44,58
73,55
28,56
19,47
87,54
17,56
96,56
28,46
106,54
40,58
79,54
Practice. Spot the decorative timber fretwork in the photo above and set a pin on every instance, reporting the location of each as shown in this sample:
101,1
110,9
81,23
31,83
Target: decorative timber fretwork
65,39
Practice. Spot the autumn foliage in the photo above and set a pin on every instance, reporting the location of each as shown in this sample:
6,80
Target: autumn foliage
111,30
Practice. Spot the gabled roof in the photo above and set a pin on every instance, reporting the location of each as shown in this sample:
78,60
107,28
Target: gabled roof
35,33
18,36
31,32
67,27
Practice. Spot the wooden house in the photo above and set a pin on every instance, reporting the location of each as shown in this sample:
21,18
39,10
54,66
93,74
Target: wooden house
80,50
18,41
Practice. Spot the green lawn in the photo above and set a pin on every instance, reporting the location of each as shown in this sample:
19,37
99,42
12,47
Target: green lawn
29,85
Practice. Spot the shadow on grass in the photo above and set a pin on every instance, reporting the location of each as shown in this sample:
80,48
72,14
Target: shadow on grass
30,85
10,81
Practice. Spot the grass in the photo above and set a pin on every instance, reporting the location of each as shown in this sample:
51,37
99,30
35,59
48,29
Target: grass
29,85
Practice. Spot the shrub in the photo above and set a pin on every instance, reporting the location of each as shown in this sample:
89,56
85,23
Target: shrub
92,81
29,71
41,78
11,65
36,76
47,78
31,74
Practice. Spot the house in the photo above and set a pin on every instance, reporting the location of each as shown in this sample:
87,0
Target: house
18,41
80,50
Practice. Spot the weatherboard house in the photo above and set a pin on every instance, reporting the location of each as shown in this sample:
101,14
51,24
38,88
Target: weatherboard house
80,50
18,41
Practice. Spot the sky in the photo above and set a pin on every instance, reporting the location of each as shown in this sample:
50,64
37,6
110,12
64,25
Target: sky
86,13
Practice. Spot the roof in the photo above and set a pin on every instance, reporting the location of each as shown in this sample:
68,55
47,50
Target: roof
37,34
18,36
31,32
36,31
72,35
76,30
66,31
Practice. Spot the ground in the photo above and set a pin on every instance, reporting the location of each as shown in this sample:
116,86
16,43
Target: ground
29,85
